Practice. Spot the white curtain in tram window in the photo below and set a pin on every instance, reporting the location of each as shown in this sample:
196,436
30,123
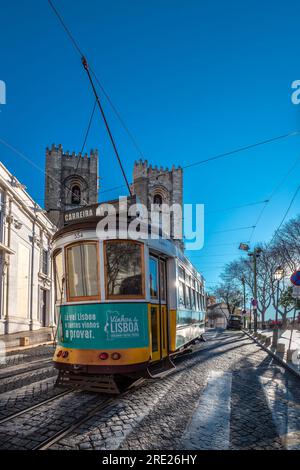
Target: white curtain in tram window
22,281
82,270
91,266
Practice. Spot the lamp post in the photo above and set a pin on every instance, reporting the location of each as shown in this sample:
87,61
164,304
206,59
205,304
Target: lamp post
278,275
255,254
244,294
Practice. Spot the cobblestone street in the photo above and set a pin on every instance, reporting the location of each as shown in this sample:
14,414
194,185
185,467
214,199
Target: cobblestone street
229,394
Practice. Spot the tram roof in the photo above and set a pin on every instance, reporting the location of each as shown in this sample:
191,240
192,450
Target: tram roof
87,218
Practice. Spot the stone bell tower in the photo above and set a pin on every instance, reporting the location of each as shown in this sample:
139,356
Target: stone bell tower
71,181
155,185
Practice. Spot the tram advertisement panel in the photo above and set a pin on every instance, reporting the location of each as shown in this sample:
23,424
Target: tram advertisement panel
116,325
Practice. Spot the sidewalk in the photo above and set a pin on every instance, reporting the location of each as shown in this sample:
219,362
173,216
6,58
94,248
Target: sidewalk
289,359
26,339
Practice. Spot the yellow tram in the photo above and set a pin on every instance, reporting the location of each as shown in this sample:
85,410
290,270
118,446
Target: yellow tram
124,307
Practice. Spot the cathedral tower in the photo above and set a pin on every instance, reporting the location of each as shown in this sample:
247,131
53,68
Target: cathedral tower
71,181
159,186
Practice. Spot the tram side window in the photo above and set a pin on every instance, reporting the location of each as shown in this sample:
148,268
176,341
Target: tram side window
193,294
162,279
124,269
181,287
188,302
82,270
58,276
196,296
153,278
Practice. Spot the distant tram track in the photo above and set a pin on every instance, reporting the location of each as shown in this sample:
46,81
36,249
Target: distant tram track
40,364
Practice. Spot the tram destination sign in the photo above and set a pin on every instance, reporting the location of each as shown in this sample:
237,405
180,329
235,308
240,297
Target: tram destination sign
79,214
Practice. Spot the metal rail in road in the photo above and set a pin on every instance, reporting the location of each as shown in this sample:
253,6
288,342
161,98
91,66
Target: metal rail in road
39,364
34,407
99,406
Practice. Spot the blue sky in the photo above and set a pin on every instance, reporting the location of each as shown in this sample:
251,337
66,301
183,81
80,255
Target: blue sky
191,79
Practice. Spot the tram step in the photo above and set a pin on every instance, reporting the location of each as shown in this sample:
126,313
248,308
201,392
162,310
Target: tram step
161,369
89,383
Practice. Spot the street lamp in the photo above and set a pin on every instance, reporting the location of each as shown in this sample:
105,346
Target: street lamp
255,254
278,275
244,294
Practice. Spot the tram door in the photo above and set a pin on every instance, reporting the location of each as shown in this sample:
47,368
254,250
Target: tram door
158,308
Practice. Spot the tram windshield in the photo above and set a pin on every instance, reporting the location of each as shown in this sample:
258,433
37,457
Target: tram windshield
82,269
124,269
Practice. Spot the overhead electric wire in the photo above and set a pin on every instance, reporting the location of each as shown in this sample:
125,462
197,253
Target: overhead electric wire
258,219
234,229
86,67
80,52
88,127
273,194
237,207
242,149
84,141
31,162
286,212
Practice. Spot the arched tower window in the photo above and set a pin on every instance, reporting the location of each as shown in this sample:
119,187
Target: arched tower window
76,194
157,200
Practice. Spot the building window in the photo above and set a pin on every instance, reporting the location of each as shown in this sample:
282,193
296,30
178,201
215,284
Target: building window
157,200
82,271
124,269
76,194
45,262
1,214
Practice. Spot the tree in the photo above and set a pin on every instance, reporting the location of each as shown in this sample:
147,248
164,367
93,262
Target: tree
287,302
243,269
286,244
228,293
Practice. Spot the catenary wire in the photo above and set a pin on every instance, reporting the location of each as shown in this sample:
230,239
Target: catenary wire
80,52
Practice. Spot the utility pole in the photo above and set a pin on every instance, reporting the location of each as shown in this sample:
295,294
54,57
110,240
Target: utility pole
278,275
244,302
255,254
255,291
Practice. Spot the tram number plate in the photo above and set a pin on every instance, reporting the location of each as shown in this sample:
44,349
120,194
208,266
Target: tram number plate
78,235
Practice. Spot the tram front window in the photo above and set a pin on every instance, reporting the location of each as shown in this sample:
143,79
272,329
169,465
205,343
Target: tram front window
124,269
58,274
82,271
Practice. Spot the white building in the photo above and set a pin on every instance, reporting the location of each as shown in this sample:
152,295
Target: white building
217,315
25,269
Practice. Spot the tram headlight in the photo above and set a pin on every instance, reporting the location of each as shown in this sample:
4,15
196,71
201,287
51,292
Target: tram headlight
103,356
59,353
65,354
115,356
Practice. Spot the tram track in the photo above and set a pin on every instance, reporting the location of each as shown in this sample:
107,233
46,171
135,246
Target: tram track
36,412
48,443
34,407
39,364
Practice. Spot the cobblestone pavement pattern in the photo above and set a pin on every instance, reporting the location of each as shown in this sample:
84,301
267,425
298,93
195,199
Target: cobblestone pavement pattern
229,394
